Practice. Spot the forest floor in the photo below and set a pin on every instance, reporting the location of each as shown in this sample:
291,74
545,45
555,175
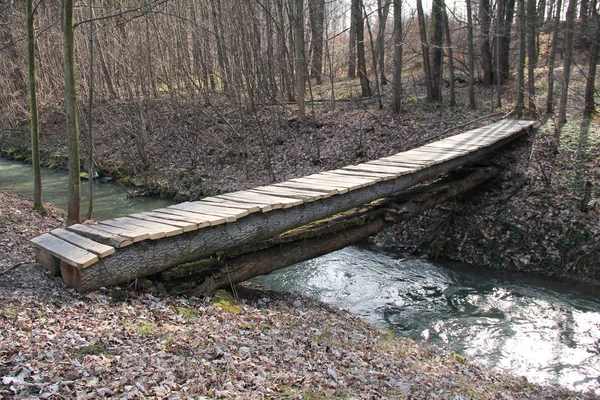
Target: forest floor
56,343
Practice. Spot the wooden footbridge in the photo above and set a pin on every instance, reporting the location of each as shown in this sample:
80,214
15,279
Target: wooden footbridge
122,249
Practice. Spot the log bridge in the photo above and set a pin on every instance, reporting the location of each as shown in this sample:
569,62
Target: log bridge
150,243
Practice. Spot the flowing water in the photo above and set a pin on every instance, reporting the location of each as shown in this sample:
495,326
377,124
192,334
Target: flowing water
110,200
546,331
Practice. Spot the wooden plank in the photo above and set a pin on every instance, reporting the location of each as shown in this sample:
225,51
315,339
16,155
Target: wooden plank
197,207
326,182
363,181
393,171
99,249
321,184
304,194
185,226
135,229
194,217
100,236
446,151
378,176
226,202
172,217
397,161
65,251
251,208
166,229
303,186
276,202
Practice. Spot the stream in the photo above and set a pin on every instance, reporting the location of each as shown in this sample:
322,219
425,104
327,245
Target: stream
546,331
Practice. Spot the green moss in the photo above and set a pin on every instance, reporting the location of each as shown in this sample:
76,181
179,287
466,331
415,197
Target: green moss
92,350
459,358
145,328
187,313
225,301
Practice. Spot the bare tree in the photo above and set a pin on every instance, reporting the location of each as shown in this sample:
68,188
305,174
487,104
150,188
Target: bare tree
486,52
298,12
567,57
450,54
361,62
33,108
552,58
437,44
590,105
425,51
521,63
317,19
398,56
531,54
74,205
472,103
382,12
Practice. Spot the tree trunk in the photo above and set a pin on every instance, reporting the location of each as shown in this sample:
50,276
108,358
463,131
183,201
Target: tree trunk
298,12
360,52
33,109
486,52
425,51
521,63
552,58
499,40
531,54
74,207
509,12
382,12
317,21
567,57
590,105
90,138
354,16
450,57
283,62
471,55
325,237
437,41
398,56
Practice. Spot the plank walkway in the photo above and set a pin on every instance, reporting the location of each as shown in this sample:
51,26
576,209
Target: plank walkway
141,244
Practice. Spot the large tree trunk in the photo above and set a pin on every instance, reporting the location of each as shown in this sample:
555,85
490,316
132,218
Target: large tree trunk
325,237
521,63
472,103
317,21
360,51
74,207
509,12
397,56
298,12
590,105
552,58
531,55
486,52
382,12
499,40
33,109
437,41
567,57
90,120
355,14
425,50
450,57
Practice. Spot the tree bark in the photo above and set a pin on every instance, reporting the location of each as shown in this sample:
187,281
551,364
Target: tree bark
354,16
437,41
509,12
531,54
425,51
361,62
590,105
382,12
567,57
33,108
552,58
450,57
521,63
331,235
74,206
90,120
317,21
298,12
486,52
499,41
398,56
472,103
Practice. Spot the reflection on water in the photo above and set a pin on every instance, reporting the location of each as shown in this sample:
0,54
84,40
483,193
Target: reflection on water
547,332
110,200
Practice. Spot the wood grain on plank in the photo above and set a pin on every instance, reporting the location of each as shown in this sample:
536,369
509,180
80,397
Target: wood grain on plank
275,201
101,236
65,251
135,229
204,208
185,226
101,250
135,236
194,217
166,229
251,208
305,195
